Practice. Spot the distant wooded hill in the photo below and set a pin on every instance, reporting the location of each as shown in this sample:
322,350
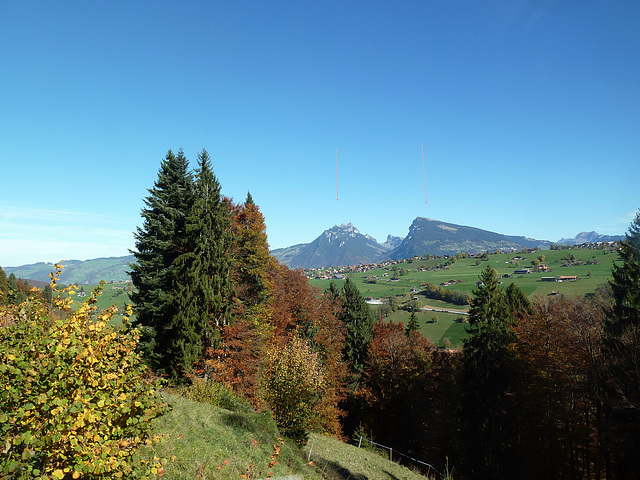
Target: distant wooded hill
77,271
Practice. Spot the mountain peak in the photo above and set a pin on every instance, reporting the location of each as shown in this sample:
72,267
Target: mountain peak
340,245
434,237
589,237
340,232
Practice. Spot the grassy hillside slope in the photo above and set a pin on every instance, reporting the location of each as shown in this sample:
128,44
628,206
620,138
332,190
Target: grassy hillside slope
209,442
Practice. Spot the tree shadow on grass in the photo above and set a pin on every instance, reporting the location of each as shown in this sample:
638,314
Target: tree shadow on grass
335,471
391,476
258,424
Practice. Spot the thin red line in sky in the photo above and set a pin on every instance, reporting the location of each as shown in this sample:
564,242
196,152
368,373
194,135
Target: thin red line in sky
336,174
424,172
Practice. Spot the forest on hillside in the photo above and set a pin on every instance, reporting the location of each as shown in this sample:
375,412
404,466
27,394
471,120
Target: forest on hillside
543,387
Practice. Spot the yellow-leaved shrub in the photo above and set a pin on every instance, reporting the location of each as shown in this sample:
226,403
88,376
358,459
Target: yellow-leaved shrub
73,399
292,383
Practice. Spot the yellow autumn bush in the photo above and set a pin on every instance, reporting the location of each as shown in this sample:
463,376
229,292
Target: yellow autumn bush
73,400
292,383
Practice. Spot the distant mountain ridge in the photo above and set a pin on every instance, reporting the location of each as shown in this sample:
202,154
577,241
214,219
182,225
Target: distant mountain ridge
589,237
434,237
345,245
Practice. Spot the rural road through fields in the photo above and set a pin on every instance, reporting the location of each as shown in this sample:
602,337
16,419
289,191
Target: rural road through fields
446,310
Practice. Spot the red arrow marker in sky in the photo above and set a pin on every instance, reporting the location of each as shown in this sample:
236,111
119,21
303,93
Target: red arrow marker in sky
424,172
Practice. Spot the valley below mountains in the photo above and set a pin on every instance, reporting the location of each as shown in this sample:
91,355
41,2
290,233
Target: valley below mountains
340,245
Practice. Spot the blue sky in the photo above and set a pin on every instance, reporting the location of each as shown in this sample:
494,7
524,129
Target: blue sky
529,112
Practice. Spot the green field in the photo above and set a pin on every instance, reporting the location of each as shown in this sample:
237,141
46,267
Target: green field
466,272
211,442
446,326
112,294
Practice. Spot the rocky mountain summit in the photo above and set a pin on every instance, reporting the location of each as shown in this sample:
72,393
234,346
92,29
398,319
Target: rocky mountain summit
345,245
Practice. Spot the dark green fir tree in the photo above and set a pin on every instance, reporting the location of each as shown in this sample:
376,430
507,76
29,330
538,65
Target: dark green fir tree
202,279
517,300
160,240
358,323
622,352
488,366
4,287
358,320
413,324
15,294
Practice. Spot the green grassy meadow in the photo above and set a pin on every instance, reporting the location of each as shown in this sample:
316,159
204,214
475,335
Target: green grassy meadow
116,293
446,326
467,271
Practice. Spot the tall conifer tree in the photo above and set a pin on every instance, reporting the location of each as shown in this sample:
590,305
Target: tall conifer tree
202,278
413,324
159,241
487,373
622,349
358,319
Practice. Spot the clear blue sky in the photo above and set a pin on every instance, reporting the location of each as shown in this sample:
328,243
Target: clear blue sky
529,112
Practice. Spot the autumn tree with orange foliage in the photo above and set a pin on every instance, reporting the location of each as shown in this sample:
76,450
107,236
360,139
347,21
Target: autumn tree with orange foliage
293,310
254,264
300,310
237,359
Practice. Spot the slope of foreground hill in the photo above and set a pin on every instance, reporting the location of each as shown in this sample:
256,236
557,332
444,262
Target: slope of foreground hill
211,442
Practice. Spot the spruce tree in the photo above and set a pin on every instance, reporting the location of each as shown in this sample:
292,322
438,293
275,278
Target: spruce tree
15,294
488,366
413,324
358,327
517,300
202,275
158,243
358,319
622,351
